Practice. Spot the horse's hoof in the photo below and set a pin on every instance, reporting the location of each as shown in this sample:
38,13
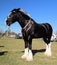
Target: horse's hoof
48,54
23,57
29,59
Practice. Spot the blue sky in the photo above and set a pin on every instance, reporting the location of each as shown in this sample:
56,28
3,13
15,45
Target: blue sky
41,11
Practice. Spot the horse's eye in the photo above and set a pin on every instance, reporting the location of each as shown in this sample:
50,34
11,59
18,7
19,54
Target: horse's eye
8,17
13,11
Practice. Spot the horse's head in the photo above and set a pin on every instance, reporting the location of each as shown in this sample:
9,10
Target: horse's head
17,15
12,17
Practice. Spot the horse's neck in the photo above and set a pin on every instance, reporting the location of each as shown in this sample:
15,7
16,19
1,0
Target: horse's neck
22,22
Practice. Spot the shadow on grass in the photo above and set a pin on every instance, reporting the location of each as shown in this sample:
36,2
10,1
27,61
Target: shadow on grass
37,51
3,53
1,46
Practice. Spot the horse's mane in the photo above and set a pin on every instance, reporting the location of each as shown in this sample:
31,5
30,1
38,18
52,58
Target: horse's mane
24,13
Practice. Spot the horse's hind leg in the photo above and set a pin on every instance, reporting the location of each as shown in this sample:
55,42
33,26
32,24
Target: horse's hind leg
48,47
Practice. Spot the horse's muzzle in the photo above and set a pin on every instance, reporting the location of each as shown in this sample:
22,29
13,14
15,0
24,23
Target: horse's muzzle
7,24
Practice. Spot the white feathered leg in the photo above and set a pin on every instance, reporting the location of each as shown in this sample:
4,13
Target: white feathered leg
30,56
25,54
48,49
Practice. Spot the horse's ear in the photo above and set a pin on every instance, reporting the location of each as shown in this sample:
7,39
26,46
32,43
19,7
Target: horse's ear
19,9
13,10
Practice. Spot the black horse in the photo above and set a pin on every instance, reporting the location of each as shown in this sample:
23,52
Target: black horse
30,30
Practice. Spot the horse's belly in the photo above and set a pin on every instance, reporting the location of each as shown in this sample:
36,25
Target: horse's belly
38,36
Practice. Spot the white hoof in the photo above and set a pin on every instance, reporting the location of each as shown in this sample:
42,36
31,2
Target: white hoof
30,56
24,56
47,54
48,49
29,59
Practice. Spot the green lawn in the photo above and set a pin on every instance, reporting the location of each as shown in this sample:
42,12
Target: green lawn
11,51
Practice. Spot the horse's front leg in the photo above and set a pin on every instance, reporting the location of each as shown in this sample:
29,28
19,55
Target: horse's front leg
30,54
24,56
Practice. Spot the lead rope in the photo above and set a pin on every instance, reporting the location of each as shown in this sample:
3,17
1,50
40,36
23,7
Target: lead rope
26,24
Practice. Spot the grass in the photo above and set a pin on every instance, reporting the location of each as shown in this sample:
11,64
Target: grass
11,51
